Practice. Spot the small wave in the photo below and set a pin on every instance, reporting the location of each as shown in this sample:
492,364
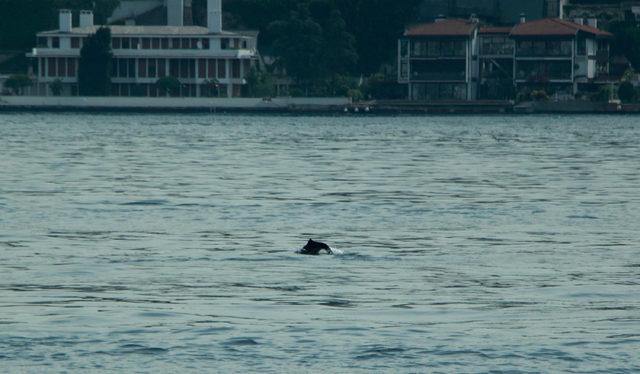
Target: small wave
146,203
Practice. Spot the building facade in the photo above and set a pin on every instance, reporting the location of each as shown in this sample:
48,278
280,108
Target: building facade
455,59
207,61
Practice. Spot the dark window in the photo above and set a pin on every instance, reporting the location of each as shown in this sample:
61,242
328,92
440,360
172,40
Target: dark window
175,43
236,69
211,69
174,68
142,68
224,43
146,43
51,68
126,43
151,68
75,43
134,43
205,43
42,43
582,46
55,42
162,72
71,67
222,69
116,43
202,68
165,43
132,67
156,43
62,67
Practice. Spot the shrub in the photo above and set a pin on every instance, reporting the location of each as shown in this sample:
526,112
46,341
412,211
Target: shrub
56,87
626,92
168,86
16,83
539,95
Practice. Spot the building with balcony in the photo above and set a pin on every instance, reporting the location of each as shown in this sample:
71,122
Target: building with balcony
560,54
208,61
455,59
436,60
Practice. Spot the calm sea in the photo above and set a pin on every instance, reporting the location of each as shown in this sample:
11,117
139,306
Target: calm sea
166,243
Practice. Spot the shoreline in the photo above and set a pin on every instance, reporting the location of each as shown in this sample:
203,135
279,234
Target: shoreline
302,106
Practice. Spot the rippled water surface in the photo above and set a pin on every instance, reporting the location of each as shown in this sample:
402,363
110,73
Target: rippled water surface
141,243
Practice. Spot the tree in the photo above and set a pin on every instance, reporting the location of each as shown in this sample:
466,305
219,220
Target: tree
94,71
259,83
627,41
298,46
56,87
626,92
168,86
339,52
16,83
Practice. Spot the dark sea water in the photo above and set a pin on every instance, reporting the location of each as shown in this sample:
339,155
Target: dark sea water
143,243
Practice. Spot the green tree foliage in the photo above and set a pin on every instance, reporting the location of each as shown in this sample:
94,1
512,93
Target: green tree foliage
17,83
260,83
168,86
627,41
298,46
626,92
94,71
20,20
56,87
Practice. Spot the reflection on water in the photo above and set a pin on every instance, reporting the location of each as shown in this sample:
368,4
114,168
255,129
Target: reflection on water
469,244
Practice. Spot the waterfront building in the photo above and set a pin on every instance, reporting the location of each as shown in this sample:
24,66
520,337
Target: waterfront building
436,60
560,54
208,61
457,59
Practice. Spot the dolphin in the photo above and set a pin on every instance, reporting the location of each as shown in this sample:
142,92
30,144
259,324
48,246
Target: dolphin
314,248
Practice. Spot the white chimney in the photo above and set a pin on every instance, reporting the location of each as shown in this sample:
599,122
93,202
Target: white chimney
440,18
579,20
86,18
175,12
523,18
593,22
65,20
214,16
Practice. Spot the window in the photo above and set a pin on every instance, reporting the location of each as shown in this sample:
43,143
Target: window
62,67
75,43
419,48
222,69
71,67
51,67
174,68
235,73
146,43
151,68
433,49
156,43
211,69
175,43
244,44
142,68
126,43
164,43
582,46
42,43
116,43
205,43
539,48
55,42
132,67
202,68
224,43
186,43
134,43
162,69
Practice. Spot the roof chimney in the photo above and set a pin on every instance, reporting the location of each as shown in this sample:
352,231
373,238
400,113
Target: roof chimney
440,18
65,20
214,16
474,18
175,12
86,18
523,18
579,20
593,22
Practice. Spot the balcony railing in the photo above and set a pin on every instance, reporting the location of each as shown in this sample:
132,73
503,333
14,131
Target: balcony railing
438,76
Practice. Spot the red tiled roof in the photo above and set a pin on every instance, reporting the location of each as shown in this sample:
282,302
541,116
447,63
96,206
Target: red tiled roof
447,27
495,30
555,27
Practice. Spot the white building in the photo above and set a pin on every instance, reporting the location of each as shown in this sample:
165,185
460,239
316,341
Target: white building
208,61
